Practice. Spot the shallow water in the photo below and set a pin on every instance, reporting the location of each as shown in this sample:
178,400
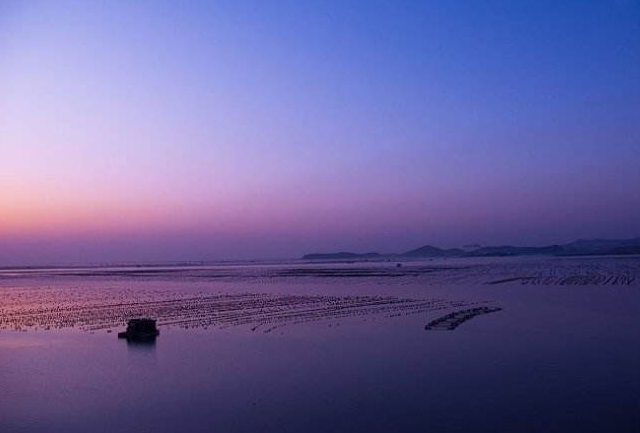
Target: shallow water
558,357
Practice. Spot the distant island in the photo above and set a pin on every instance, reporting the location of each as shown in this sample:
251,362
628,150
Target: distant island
340,255
581,247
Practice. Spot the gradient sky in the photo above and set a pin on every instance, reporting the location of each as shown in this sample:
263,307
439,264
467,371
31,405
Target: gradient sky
150,130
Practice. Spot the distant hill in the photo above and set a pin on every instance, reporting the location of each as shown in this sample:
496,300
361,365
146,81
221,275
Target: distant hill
602,247
624,249
509,250
431,251
580,247
339,256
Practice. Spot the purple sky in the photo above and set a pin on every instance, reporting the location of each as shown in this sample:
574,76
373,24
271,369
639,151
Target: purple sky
142,131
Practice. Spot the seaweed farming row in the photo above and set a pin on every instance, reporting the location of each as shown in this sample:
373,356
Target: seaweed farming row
609,271
93,310
594,279
451,321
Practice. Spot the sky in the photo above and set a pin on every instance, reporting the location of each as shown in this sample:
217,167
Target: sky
160,131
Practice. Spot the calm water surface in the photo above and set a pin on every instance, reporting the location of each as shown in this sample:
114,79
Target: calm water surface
555,359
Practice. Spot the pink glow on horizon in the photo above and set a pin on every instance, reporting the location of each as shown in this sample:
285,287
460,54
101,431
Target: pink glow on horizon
249,131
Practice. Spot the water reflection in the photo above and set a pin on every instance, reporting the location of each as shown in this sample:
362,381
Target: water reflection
144,347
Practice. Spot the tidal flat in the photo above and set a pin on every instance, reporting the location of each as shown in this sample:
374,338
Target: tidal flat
330,346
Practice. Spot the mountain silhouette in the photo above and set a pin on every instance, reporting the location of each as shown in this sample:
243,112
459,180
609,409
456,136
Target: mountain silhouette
580,247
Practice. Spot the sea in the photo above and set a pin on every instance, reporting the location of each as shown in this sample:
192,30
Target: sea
513,344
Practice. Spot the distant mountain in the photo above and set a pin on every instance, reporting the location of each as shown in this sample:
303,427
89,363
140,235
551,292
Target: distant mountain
623,249
431,251
509,250
339,256
577,248
602,247
580,247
